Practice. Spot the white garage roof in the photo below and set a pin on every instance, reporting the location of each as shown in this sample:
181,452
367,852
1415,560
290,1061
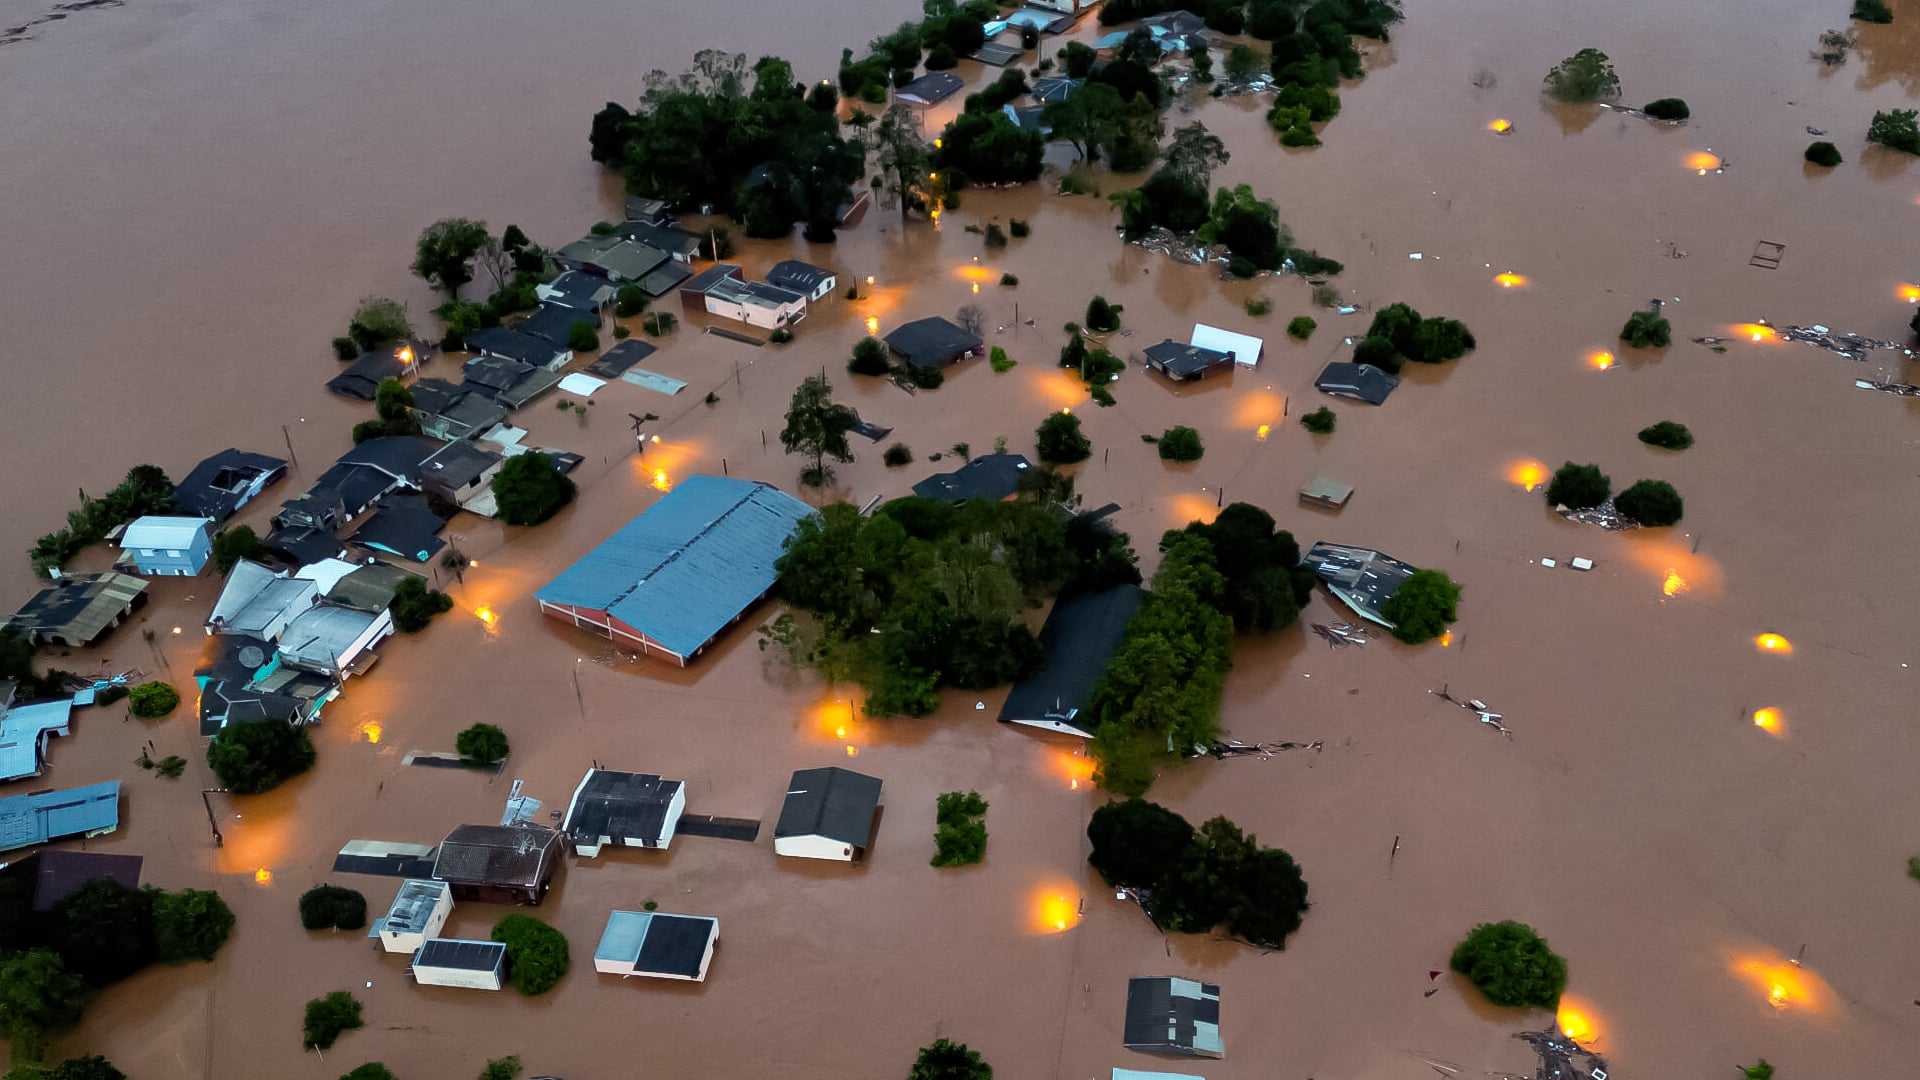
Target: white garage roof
1245,349
154,532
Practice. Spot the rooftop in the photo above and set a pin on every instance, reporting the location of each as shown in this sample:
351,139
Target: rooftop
932,340
1361,577
656,942
509,344
24,732
1171,1015
1245,348
632,261
552,323
1184,361
45,878
698,284
320,635
836,803
990,476
234,701
1362,382
506,855
254,598
459,955
156,532
79,608
458,464
798,276
1080,636
931,88
369,588
362,378
26,820
620,804
614,362
217,486
412,908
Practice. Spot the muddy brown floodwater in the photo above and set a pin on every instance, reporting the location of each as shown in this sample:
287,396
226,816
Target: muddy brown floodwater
195,193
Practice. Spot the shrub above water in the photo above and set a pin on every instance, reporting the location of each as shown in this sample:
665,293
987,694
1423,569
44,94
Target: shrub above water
1585,76
1578,487
897,455
152,700
1180,444
1650,502
1301,327
1512,965
1824,154
332,907
1668,108
1646,330
1667,435
1320,421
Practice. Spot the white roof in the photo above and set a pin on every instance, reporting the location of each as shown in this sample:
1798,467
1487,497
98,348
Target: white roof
584,385
154,532
255,597
326,573
24,730
322,635
1245,348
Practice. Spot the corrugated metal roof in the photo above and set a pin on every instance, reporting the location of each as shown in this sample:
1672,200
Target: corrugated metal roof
456,954
155,532
413,905
26,820
684,569
319,635
24,731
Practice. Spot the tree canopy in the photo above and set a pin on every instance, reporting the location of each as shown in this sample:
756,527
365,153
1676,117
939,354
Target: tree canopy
1180,443
372,1070
1650,502
506,1068
960,829
529,489
190,924
1263,583
152,700
945,1060
1512,965
377,321
414,605
483,743
146,490
1646,330
817,428
1422,606
1896,129
1583,77
1194,880
104,931
443,255
90,1067
328,1017
232,545
536,953
250,758
1578,487
1667,435
1059,440
37,995
1425,340
988,148
332,907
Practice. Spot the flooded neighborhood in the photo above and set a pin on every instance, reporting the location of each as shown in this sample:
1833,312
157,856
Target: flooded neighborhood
1676,749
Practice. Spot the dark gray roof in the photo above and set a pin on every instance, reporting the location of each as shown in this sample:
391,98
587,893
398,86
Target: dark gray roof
399,456
931,88
798,276
458,411
579,290
1176,23
1362,382
630,260
836,803
551,322
224,702
620,804
78,608
512,856
45,878
614,362
457,464
1055,88
1183,361
932,340
237,657
369,589
217,486
642,210
362,378
512,383
1079,638
674,945
699,283
355,486
303,544
1362,577
667,238
991,476
403,526
509,344
458,955
661,279
1173,1016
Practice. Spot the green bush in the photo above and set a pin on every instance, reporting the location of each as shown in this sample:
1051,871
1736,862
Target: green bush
1311,263
1000,361
1060,441
1668,108
1101,316
482,743
1018,227
1650,502
171,766
1009,280
1757,1071
1646,330
1667,435
995,236
91,1067
528,489
113,693
506,1068
377,321
1301,327
372,1070
1872,11
870,357
1180,443
1320,421
250,758
960,832
1895,129
659,323
1512,965
232,545
897,455
152,700
190,924
951,1060
1913,868
1422,606
332,907
926,376
1259,306
583,336
536,953
1378,352
629,301
1197,879
1578,487
328,1017
345,348
780,336
1585,76
1824,154
414,605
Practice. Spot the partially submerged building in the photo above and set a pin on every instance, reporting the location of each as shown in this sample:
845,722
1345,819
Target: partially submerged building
657,945
1185,362
673,578
507,343
933,342
1080,636
1360,382
334,641
76,610
415,917
1362,578
930,89
361,378
25,731
453,411
1244,348
502,864
993,477
1171,1015
92,810
828,813
720,290
159,545
469,965
1326,492
258,602
623,809
41,880
810,281
225,482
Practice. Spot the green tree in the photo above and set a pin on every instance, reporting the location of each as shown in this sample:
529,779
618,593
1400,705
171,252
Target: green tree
1896,129
1244,63
1100,315
1060,441
90,1067
1078,59
945,1060
1578,487
1824,154
1320,421
1422,606
37,994
1667,435
901,155
152,700
1301,327
445,250
1194,152
960,836
482,743
190,924
1091,119
378,321
629,301
536,953
506,1068
332,907
232,545
897,455
414,605
1249,227
328,1017
1650,502
1180,443
1760,1070
250,758
1668,108
817,428
1512,965
103,931
1379,352
1583,77
988,148
529,489
372,1070
1137,843
1262,582
1646,330
870,357
582,336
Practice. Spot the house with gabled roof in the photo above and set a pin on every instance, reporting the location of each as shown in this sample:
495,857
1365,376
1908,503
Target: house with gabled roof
828,813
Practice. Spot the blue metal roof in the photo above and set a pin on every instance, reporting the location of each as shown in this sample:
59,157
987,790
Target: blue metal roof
26,820
684,569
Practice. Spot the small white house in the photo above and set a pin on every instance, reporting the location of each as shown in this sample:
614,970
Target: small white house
332,640
419,911
623,809
167,546
829,813
810,281
1245,348
469,965
657,945
755,303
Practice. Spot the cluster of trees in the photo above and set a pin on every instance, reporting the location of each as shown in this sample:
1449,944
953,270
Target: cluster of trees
1896,129
152,700
536,953
1667,435
925,594
415,605
1320,421
1647,330
146,490
1422,606
1102,120
1180,443
1095,365
90,1067
1399,333
515,265
1871,11
250,758
100,934
1193,880
960,829
1586,76
16,663
232,545
1651,503
989,148
950,31
529,489
376,321
752,142
483,744
332,907
393,413
945,1060
1511,964
1058,439
1312,51
329,1017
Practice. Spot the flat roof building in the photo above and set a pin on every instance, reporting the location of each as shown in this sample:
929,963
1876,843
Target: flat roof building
657,945
24,733
623,809
829,813
1326,492
1171,1015
469,965
418,912
92,810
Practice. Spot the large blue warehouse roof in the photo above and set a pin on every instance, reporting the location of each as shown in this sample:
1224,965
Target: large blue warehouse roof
684,569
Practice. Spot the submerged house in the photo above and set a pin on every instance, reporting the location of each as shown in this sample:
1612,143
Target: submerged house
26,820
511,383
1171,1015
503,864
334,642
361,379
1244,348
578,291
161,546
993,477
810,281
930,89
1080,636
509,343
25,731
225,482
404,526
676,576
1184,362
828,813
415,917
258,602
41,880
623,809
657,945
469,965
453,412
720,290
76,610
1361,382
1362,578
933,342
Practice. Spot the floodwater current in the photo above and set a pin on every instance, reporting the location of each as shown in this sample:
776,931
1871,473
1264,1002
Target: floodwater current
193,194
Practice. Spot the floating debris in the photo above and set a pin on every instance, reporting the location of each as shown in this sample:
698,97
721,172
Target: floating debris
1186,249
1562,1058
1227,748
1603,515
1888,387
1340,635
1479,708
1847,346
